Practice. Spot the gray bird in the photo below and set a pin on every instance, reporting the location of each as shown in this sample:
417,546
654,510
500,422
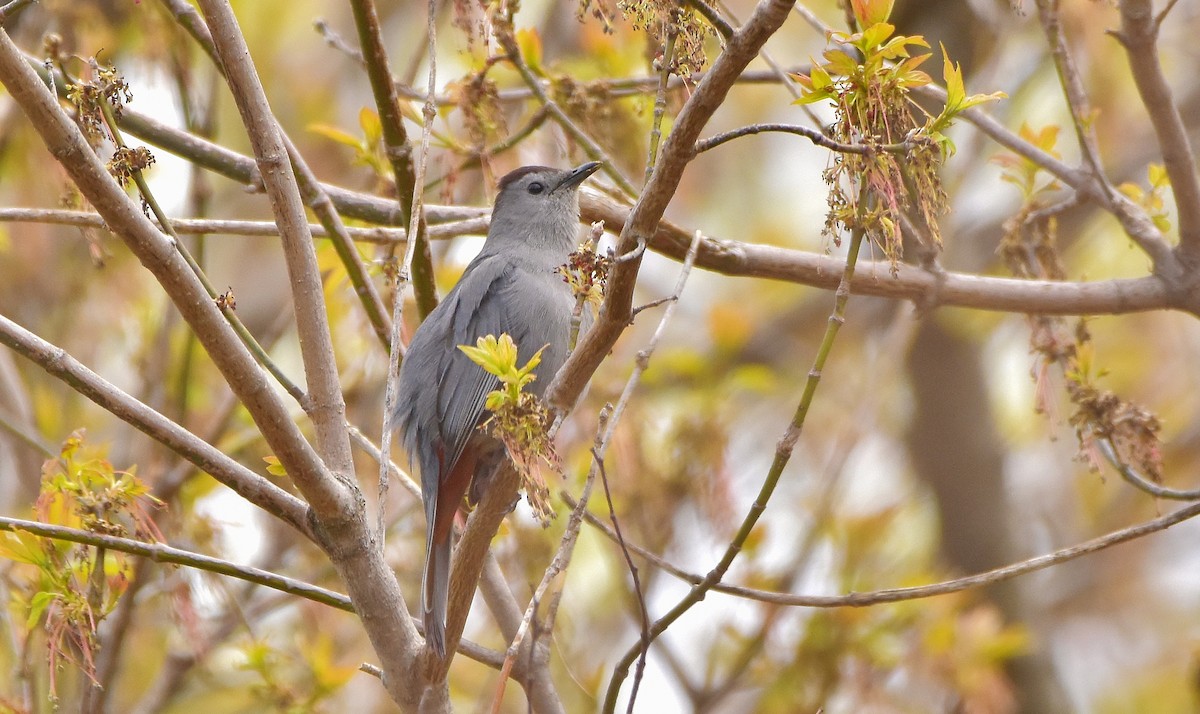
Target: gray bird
512,287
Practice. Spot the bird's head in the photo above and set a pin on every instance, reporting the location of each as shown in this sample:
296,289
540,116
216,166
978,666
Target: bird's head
538,206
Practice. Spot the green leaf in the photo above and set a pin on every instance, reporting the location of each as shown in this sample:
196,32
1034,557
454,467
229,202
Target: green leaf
274,467
820,78
839,62
530,44
816,86
335,134
898,46
372,128
952,75
871,12
498,356
495,356
37,605
874,35
1157,174
957,100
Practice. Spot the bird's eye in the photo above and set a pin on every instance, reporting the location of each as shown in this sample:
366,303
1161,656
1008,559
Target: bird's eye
536,187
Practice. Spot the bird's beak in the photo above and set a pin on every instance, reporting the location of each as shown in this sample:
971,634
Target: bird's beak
578,174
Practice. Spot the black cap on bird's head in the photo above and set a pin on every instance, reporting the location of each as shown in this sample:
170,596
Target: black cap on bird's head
548,178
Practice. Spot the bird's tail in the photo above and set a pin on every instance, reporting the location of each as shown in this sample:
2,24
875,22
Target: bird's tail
435,588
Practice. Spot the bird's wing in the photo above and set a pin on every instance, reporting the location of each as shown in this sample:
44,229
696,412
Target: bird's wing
462,385
441,392
482,303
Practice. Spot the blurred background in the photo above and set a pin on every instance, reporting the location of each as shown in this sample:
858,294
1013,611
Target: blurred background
936,447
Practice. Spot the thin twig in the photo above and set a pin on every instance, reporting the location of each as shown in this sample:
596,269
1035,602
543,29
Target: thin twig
1141,482
329,484
740,49
335,41
1133,218
811,18
311,189
27,435
10,10
558,566
709,13
1075,94
909,282
590,147
227,309
405,274
381,235
326,406
783,453
606,428
249,485
162,553
418,259
816,137
611,87
737,258
360,440
660,97
889,595
638,592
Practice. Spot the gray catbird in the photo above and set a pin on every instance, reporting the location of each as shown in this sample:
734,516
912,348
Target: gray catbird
513,287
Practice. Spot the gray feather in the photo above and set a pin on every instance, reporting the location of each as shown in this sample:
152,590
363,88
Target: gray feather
511,287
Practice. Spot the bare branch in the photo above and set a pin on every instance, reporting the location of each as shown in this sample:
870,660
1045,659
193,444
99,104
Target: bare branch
1139,36
812,135
163,553
909,283
1139,481
160,257
1076,96
878,597
709,13
310,187
336,501
10,9
469,556
326,407
408,179
249,485
741,48
590,147
733,258
195,226
783,454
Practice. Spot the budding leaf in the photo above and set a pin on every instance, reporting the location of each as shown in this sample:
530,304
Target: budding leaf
871,12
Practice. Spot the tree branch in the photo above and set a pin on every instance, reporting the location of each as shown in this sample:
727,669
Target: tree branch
909,283
327,407
590,147
1139,36
347,537
312,191
163,553
247,484
812,135
399,153
745,259
158,255
878,597
469,556
381,235
741,48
